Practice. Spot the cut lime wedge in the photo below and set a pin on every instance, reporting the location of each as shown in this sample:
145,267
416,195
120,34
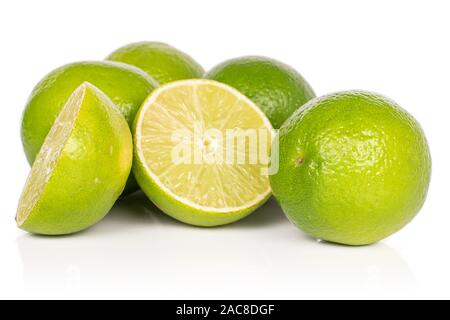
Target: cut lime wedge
81,168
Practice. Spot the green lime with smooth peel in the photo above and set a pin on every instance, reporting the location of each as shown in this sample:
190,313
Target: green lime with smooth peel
160,60
126,85
81,168
275,87
354,168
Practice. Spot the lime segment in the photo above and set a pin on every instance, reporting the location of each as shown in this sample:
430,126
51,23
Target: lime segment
81,168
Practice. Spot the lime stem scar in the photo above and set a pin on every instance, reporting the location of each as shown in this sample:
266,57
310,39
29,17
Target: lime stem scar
300,161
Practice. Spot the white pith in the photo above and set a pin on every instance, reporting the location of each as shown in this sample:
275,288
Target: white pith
151,101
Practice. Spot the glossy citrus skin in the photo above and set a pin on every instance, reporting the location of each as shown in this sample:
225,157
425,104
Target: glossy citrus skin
275,87
354,168
91,172
126,85
162,61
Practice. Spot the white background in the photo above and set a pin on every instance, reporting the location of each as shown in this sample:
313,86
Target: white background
398,48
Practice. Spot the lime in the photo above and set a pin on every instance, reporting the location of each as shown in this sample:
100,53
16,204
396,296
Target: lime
202,152
354,168
81,168
275,87
126,85
162,61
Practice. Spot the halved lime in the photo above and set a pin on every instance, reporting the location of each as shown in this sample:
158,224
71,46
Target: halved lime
81,169
200,149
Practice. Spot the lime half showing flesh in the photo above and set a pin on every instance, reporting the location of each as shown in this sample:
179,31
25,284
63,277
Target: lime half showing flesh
200,152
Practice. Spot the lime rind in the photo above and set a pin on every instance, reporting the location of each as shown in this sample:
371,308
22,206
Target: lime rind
163,62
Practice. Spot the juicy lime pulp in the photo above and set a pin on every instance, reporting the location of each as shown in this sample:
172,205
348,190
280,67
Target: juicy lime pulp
81,168
200,114
354,168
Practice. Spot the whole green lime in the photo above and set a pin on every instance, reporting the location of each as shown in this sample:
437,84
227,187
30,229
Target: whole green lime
126,85
81,168
275,87
162,61
354,168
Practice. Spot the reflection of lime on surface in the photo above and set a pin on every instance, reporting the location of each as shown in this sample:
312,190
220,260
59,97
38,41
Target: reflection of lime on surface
162,61
125,85
81,168
275,87
199,193
354,168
